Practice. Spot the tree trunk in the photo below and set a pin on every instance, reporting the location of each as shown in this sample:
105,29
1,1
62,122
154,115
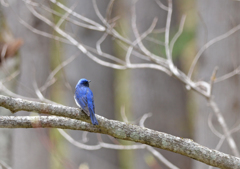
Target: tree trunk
102,79
30,150
155,92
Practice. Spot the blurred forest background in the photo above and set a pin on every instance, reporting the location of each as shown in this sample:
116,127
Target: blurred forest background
136,91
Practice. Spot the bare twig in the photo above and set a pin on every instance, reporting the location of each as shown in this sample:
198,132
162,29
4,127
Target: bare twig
210,43
214,131
161,158
159,63
115,34
167,31
45,34
157,59
144,117
158,42
227,76
71,12
123,114
213,77
5,90
50,80
152,150
3,3
4,165
73,41
63,40
109,9
223,124
65,16
78,144
177,35
161,5
99,42
10,77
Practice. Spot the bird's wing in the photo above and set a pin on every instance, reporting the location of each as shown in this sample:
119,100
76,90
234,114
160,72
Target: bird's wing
81,101
90,100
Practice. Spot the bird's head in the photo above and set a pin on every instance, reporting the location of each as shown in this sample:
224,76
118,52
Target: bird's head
83,82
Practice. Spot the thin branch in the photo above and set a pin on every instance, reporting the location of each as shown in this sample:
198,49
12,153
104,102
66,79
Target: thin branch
100,27
156,59
73,41
109,10
65,16
167,31
123,114
139,42
227,76
158,42
161,5
235,129
45,34
177,35
10,77
114,128
210,125
223,124
50,80
99,42
213,77
123,147
150,66
4,165
84,137
5,4
135,53
12,94
143,119
161,30
220,143
75,22
210,43
152,150
78,144
63,40
115,34
161,158
40,95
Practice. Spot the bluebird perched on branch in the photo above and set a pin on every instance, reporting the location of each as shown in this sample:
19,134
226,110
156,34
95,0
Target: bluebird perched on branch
84,99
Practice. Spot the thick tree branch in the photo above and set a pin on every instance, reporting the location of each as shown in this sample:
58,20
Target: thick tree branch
46,122
114,128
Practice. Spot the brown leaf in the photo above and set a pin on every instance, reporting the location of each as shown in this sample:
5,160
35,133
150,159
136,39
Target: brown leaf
9,49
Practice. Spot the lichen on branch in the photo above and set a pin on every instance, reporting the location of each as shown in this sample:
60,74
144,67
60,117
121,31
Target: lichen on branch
74,118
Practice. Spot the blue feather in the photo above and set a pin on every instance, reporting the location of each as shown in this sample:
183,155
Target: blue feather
84,99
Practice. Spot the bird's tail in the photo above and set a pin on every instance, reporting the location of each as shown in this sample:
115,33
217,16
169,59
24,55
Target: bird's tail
93,119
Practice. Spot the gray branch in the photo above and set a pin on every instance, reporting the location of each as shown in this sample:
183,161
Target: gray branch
46,122
113,128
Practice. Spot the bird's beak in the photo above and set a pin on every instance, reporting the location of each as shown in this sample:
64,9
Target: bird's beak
89,81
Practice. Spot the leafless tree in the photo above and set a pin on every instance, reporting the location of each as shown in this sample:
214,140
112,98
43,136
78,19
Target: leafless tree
72,118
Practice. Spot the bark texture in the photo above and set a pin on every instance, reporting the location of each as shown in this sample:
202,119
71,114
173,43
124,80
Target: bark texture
119,130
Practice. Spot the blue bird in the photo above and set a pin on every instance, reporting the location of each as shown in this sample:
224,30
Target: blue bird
84,99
